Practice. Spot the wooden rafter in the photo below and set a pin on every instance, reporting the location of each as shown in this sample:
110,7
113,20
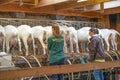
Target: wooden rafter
74,4
112,11
51,2
26,2
96,7
45,10
61,7
6,1
79,13
25,8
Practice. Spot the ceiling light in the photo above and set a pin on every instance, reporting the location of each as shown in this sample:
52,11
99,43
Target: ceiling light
81,0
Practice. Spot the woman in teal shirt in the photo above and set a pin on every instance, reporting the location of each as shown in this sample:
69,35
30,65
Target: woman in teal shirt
56,45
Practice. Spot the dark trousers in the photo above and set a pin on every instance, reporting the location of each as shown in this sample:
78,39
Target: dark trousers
58,76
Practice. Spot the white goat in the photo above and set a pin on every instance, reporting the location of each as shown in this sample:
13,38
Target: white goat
2,36
73,39
11,32
39,33
106,33
113,38
24,32
48,30
83,36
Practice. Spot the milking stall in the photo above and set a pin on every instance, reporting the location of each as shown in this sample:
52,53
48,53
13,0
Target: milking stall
25,26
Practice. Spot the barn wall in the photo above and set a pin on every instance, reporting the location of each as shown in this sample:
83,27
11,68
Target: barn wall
111,21
118,22
41,16
105,20
23,16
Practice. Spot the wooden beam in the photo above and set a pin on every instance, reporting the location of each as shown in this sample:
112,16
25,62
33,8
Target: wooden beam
112,11
50,2
2,2
79,13
25,8
107,5
43,10
47,70
93,14
74,4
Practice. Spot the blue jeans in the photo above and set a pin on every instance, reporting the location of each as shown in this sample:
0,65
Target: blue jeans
98,74
58,76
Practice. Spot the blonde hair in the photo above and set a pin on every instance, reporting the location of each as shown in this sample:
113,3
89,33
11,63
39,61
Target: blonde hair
56,30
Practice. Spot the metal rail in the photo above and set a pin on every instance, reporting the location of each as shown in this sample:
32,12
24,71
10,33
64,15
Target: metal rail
34,22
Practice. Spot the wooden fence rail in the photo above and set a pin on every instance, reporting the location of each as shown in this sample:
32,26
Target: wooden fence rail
47,70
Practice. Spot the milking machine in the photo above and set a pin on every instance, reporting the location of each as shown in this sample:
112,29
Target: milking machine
32,61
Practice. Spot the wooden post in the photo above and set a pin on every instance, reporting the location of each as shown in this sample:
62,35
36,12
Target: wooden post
36,2
102,7
118,22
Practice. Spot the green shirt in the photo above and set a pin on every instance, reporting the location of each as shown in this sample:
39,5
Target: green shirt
55,45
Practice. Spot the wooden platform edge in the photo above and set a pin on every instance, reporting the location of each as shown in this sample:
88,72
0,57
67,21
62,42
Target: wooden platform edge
47,70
